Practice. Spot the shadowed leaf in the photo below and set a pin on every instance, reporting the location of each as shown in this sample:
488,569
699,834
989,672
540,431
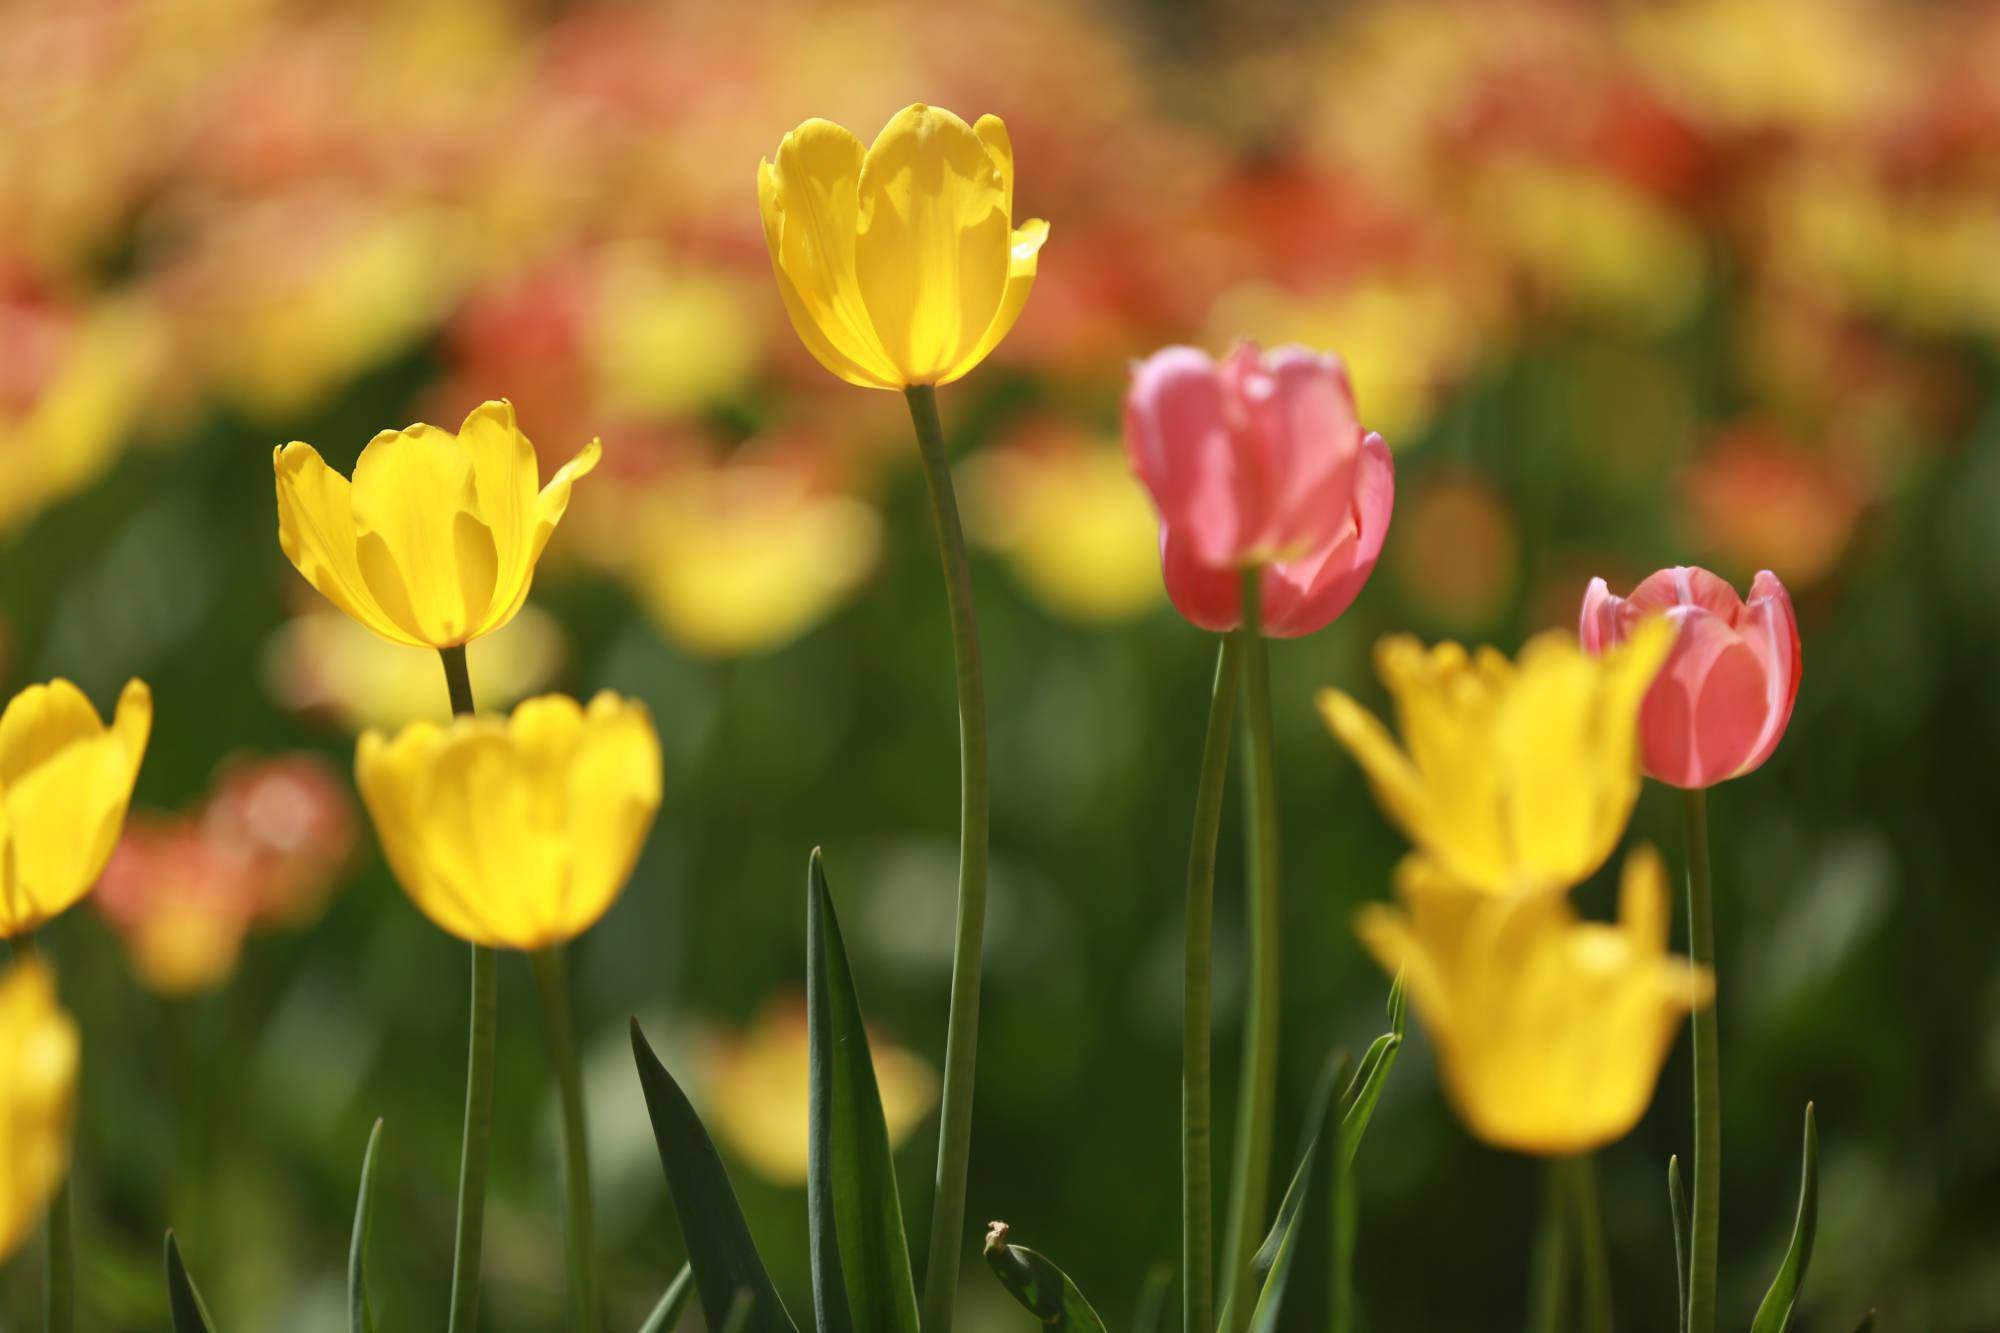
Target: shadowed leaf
183,1300
1775,1314
668,1312
1044,1290
361,1319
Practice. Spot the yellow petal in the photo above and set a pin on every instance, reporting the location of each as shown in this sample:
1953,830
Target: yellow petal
423,552
316,530
806,316
40,722
39,1054
935,242
504,474
1396,783
1021,266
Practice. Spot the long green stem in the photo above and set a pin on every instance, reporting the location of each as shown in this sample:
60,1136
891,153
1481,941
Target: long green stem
478,1081
1548,1291
580,1233
961,1044
1197,1129
59,1241
1707,1079
1257,1091
1592,1254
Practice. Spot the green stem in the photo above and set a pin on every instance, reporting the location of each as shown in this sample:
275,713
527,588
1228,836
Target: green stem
580,1233
1197,1129
1257,1091
478,1132
961,1043
1548,1293
59,1240
1593,1256
1707,1079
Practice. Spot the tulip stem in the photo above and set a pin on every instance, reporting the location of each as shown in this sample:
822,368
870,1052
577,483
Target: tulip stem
1257,1090
962,1033
580,1233
59,1241
1197,1129
473,1153
1707,1204
1593,1256
1548,1292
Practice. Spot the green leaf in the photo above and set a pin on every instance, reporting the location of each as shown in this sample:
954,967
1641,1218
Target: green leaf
1044,1290
1299,1292
1357,1103
860,1259
720,1251
183,1301
668,1312
1775,1314
739,1313
360,1319
1677,1202
1155,1310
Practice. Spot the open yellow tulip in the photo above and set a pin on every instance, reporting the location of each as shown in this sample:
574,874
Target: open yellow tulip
515,833
899,263
38,1061
65,781
1550,1030
1512,776
434,543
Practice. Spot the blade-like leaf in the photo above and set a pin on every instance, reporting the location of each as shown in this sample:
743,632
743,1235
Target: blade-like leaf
739,1313
1298,1292
360,1319
720,1251
668,1312
1044,1290
1153,1313
1677,1203
1357,1103
1775,1314
183,1301
860,1259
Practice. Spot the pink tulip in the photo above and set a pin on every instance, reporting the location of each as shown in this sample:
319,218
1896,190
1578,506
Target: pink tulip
1721,702
1259,460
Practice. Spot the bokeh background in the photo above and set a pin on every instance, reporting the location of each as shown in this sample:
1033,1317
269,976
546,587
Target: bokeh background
1624,285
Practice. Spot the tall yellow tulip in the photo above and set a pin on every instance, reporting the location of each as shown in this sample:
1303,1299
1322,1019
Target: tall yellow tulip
1511,776
434,542
1550,1030
65,781
517,833
899,263
38,1062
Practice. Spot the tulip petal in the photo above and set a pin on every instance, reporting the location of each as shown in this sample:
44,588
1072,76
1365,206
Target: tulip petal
429,568
1297,423
1178,436
550,506
1305,595
40,722
865,369
1021,266
503,479
1396,782
316,530
63,818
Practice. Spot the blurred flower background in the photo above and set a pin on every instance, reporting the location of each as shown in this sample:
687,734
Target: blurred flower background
1623,285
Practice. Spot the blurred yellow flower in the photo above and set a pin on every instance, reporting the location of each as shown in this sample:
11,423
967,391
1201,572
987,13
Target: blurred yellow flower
759,1086
515,833
899,263
1550,1030
65,781
434,543
664,344
322,661
1516,777
1076,524
38,1062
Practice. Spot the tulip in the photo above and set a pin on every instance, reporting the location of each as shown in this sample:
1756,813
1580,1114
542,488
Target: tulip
434,543
65,782
38,1063
516,833
899,264
1549,1030
1721,702
1516,776
1257,460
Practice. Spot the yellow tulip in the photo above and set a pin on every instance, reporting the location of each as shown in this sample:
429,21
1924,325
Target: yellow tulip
515,833
1549,1030
434,543
38,1061
899,263
1512,776
65,781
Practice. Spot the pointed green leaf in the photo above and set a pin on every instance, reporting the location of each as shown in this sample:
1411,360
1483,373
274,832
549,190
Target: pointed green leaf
1153,1313
183,1301
360,1319
1677,1203
1357,1103
668,1312
1298,1292
720,1251
739,1313
860,1259
1044,1290
1775,1314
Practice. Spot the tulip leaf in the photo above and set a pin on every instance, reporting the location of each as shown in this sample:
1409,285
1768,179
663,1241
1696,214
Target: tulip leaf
1775,1314
361,1319
1677,1202
1044,1290
860,1259
739,1313
1298,1295
183,1300
1154,1311
720,1250
668,1312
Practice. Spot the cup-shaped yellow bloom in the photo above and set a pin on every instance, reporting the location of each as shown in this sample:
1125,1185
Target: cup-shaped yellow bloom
1512,776
65,781
515,833
1549,1030
434,542
38,1060
899,263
